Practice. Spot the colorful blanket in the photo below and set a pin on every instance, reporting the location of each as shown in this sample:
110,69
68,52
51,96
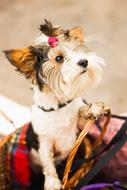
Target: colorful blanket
14,161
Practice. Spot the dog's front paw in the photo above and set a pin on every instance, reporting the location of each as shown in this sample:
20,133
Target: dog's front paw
93,110
52,183
99,108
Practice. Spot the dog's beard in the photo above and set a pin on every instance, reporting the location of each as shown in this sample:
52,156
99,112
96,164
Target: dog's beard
67,81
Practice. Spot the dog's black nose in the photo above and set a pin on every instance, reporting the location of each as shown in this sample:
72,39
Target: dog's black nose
83,63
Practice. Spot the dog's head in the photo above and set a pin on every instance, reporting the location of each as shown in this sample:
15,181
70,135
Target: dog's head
59,61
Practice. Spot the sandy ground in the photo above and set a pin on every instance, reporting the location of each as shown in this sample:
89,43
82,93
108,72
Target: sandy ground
105,23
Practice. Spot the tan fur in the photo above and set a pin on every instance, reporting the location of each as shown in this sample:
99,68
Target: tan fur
24,60
77,34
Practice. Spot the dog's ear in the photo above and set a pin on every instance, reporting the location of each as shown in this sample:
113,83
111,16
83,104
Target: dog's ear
28,61
23,59
76,33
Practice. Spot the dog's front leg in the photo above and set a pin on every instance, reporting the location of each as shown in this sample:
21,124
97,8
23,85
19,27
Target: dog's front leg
52,181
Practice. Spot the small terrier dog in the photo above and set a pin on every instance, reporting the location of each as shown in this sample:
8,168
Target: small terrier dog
61,69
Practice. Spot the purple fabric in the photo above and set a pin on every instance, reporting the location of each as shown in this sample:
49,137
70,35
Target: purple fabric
98,186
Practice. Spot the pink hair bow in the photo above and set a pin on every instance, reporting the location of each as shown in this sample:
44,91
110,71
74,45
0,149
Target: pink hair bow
53,41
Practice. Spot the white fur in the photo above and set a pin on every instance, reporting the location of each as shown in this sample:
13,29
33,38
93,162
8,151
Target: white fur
57,129
41,39
54,124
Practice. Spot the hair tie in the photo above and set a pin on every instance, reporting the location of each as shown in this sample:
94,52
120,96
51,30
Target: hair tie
53,41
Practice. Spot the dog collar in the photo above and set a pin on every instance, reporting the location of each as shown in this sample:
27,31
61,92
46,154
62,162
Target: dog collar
52,109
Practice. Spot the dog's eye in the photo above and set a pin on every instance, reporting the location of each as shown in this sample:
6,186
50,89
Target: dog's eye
59,58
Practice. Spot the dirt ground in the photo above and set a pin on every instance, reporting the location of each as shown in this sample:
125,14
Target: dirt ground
105,23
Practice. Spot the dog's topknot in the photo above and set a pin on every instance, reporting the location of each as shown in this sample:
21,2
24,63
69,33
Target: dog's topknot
48,29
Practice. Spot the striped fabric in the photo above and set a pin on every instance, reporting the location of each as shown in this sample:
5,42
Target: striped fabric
14,161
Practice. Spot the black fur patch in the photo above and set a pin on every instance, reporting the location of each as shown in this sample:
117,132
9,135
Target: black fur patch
48,29
41,53
32,138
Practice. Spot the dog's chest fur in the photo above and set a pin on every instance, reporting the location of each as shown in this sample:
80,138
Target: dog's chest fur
59,126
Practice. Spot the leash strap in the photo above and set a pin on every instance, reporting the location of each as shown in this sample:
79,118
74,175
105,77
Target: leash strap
119,117
115,145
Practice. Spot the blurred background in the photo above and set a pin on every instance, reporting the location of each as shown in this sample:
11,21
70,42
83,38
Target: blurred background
105,24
